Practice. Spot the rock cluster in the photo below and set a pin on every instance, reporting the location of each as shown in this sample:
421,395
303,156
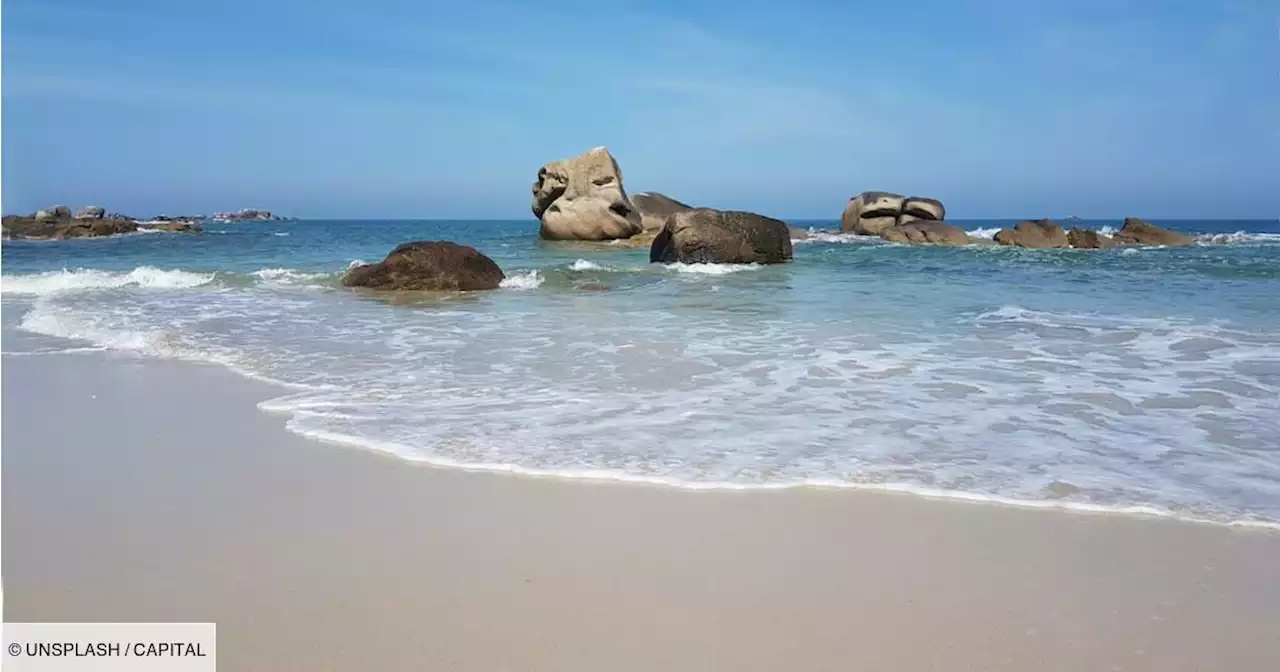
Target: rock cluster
1047,234
58,223
871,212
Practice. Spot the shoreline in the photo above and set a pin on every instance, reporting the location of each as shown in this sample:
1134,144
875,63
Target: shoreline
173,497
1137,511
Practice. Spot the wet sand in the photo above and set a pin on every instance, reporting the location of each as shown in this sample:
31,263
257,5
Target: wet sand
147,490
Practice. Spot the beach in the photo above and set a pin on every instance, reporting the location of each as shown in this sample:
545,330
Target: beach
142,489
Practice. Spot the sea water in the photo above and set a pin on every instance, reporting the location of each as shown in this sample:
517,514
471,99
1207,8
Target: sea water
1139,379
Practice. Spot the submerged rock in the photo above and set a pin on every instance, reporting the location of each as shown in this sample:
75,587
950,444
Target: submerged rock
1089,239
1139,232
926,232
172,225
655,209
428,265
711,236
1037,234
582,198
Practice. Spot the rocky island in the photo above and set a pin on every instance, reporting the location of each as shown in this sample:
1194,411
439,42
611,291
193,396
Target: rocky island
59,222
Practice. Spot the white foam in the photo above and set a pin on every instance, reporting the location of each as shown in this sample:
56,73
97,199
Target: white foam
530,280
584,265
281,233
833,238
54,282
987,233
355,262
1237,238
712,269
286,276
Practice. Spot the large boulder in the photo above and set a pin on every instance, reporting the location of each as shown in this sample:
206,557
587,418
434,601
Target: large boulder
1138,232
582,198
654,209
44,216
428,265
926,232
871,212
1089,239
91,212
703,235
1038,234
919,207
61,212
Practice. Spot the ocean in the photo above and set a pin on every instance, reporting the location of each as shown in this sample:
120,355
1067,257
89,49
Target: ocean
1143,380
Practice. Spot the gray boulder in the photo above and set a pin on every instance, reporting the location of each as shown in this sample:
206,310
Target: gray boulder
91,212
919,207
430,266
871,212
1038,234
582,198
926,232
1139,232
655,208
709,236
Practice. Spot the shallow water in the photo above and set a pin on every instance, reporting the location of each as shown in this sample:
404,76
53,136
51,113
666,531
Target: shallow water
1142,379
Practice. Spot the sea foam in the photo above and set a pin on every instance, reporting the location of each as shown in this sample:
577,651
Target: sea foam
53,282
530,280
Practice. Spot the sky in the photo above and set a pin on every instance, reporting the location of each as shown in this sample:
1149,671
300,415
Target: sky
422,108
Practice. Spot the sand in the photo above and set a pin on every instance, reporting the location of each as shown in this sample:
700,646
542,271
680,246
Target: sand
148,490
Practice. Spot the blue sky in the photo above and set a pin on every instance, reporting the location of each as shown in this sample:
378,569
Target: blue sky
419,108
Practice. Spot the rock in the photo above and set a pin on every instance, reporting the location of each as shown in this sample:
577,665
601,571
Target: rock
61,212
1089,239
44,215
1138,232
243,214
31,228
91,212
926,232
919,207
871,212
582,198
798,234
1038,234
711,236
655,208
428,265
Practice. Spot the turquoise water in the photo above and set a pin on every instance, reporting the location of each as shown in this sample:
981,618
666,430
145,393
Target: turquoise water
1142,379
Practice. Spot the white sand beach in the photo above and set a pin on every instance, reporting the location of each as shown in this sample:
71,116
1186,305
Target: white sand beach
155,491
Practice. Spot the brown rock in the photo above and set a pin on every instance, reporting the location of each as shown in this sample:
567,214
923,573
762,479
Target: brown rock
870,212
798,234
582,198
173,225
926,232
1138,232
1038,234
32,228
428,265
655,209
711,236
1089,239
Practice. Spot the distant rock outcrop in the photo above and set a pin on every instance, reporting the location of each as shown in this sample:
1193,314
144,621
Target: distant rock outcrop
1139,232
1038,234
430,266
58,223
655,208
242,215
582,198
926,232
871,213
709,236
